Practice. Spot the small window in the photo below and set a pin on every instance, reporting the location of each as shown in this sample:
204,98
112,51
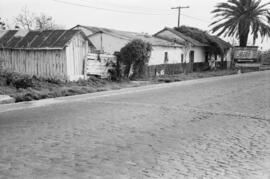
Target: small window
166,58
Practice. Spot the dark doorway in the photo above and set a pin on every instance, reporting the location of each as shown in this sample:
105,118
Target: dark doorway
191,59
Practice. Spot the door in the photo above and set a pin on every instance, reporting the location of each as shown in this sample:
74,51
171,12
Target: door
191,59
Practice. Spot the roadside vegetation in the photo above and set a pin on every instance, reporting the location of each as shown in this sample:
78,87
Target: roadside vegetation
28,88
131,65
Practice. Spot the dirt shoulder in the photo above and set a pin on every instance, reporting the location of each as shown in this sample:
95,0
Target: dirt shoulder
25,88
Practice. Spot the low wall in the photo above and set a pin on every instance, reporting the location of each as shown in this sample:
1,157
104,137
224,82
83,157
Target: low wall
265,58
172,69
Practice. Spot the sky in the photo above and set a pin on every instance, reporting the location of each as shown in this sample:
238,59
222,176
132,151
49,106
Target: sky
148,16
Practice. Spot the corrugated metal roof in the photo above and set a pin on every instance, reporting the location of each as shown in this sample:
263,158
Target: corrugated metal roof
54,36
55,39
7,37
40,39
26,41
67,36
2,32
155,41
13,42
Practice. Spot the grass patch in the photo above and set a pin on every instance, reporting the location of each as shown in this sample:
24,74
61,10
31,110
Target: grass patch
29,88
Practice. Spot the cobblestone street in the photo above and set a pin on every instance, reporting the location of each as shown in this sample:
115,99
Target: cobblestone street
210,128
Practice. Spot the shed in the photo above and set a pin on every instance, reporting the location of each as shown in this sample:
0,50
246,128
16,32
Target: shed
50,53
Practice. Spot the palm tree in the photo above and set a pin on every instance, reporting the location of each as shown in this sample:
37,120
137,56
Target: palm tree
242,18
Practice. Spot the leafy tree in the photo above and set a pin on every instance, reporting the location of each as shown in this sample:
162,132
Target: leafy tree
135,56
242,18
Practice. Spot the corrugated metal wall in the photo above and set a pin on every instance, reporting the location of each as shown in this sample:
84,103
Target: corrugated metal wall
45,63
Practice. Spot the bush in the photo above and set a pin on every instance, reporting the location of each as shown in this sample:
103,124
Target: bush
54,81
17,80
135,56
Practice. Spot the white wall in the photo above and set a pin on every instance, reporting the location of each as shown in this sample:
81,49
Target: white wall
158,55
110,44
199,54
107,43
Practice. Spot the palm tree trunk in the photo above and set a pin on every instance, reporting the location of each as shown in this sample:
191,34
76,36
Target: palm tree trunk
243,34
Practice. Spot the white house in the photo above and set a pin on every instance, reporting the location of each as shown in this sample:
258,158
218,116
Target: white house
111,41
204,47
196,49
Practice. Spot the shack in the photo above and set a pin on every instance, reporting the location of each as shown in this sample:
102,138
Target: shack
50,53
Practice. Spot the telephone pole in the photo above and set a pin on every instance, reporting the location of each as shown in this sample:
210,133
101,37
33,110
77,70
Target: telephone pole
179,12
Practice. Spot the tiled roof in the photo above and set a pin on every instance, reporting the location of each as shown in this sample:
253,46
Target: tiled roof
155,41
48,39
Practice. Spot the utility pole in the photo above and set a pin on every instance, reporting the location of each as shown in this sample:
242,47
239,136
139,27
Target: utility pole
179,12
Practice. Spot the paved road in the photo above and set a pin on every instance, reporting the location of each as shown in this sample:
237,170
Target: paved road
209,128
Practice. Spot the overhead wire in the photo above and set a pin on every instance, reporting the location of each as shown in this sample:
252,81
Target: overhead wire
124,11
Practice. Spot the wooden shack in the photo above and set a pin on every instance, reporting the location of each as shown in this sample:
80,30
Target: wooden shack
50,53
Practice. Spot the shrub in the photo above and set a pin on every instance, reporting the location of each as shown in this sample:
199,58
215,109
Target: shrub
54,80
18,80
24,81
135,56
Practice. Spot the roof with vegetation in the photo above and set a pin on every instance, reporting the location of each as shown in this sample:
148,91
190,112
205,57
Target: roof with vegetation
215,43
48,39
181,35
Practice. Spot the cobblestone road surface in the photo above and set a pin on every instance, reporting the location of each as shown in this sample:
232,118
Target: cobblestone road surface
218,128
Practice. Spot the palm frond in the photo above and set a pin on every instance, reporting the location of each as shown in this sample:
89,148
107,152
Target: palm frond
241,18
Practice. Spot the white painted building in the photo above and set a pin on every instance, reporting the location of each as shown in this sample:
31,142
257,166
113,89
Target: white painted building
200,50
196,49
111,41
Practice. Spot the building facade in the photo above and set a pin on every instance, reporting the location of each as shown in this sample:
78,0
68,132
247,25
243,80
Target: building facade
110,41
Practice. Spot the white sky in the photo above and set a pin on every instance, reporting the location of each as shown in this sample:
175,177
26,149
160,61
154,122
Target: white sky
143,15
